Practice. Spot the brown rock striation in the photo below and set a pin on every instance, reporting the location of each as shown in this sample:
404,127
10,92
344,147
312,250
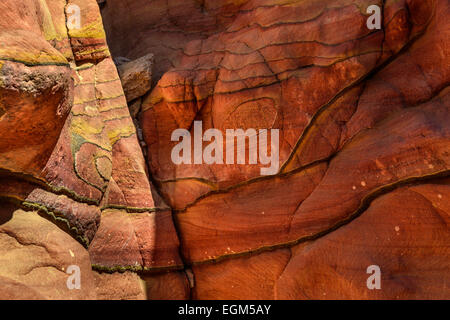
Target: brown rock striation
360,112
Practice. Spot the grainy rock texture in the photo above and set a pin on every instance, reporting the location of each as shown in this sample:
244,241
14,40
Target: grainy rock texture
364,149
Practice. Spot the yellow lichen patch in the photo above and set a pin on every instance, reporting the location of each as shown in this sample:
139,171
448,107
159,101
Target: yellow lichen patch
85,66
58,17
118,114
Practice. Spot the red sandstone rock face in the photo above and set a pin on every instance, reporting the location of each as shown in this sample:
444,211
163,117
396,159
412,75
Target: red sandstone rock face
360,112
69,150
364,155
164,27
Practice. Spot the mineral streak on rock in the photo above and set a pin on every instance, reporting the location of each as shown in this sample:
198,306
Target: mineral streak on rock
364,154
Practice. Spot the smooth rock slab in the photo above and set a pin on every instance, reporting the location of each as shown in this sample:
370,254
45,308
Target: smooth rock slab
135,241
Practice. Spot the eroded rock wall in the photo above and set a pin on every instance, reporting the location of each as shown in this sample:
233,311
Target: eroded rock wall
363,117
364,150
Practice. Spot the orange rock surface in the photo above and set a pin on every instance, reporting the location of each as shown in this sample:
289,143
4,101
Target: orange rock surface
69,151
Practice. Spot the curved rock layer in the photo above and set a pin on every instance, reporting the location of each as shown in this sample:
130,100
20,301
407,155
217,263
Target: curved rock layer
69,151
364,150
